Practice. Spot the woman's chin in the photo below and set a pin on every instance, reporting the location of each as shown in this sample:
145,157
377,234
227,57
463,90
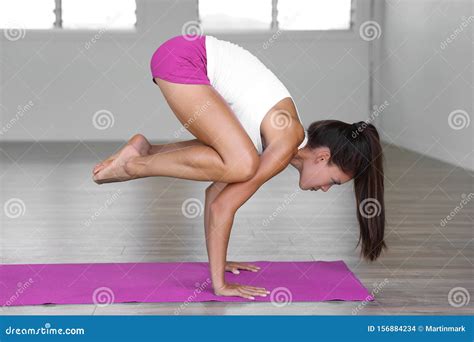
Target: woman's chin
304,187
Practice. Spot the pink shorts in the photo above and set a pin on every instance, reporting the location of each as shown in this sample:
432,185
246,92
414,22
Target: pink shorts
181,59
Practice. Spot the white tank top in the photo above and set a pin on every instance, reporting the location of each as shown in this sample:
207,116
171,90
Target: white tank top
247,85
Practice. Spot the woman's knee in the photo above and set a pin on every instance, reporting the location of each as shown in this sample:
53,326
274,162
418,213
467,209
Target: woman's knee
243,168
250,166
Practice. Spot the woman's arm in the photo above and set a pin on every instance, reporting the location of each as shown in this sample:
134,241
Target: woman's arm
211,193
221,212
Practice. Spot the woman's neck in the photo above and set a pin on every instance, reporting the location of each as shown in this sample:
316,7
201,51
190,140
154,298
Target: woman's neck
297,160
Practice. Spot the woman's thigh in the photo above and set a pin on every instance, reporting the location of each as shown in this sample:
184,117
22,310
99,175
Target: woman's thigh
206,115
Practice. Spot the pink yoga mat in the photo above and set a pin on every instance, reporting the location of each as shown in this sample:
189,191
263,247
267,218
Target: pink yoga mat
106,283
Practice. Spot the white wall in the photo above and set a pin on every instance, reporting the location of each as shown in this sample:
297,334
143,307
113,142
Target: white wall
50,90
423,80
326,72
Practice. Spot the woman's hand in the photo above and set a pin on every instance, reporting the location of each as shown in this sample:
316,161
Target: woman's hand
245,291
234,267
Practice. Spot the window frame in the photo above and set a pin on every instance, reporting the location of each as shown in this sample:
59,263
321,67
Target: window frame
58,33
348,33
361,11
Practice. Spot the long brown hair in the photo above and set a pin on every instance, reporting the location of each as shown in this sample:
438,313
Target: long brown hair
356,150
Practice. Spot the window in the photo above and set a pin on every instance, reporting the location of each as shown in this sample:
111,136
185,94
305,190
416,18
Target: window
84,14
245,15
67,14
228,15
314,14
33,14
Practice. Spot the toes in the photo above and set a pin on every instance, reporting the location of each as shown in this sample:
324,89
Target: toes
101,176
111,171
96,178
97,168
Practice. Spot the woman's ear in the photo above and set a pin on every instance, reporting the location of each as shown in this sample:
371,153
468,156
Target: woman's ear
322,154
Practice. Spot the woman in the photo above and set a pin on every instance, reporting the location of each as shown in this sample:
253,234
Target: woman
247,130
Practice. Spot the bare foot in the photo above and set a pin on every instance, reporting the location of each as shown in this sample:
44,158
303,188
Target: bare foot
113,170
138,141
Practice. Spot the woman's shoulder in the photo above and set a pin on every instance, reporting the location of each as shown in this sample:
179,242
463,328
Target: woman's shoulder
282,122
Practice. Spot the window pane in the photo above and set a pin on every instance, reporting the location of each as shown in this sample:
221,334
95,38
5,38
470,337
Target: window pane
314,14
86,14
28,14
230,15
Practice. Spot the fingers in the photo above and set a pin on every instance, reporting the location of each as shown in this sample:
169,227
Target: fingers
252,268
261,289
245,291
252,291
245,295
236,266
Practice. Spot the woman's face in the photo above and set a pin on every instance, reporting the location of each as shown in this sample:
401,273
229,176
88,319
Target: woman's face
315,173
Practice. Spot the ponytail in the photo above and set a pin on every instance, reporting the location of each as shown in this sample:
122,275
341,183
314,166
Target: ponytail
356,150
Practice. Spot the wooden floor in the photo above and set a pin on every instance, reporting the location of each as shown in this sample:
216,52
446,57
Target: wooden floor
141,221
